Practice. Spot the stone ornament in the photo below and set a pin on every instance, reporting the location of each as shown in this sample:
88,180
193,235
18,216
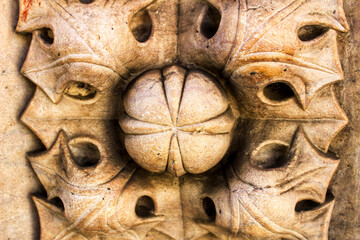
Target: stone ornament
188,119
182,124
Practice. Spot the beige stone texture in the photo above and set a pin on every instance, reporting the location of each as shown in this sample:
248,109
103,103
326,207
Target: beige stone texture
189,119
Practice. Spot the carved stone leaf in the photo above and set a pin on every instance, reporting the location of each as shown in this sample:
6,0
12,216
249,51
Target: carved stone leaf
68,115
265,207
207,32
66,37
90,203
61,229
59,164
274,44
51,214
321,121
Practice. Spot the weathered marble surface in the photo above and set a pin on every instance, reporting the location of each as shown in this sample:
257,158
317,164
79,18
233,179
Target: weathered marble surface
18,216
17,211
345,223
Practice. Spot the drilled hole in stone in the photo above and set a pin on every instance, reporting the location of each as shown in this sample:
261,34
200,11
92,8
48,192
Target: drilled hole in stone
141,26
278,92
306,205
311,32
86,1
47,36
58,203
310,205
210,22
85,154
209,208
145,207
272,155
80,90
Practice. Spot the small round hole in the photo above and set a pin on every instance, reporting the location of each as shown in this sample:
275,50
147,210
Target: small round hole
80,90
86,1
85,154
210,23
145,207
141,26
271,155
209,208
311,32
47,36
278,92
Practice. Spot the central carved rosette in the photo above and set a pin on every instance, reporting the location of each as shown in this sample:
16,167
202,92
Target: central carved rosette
176,120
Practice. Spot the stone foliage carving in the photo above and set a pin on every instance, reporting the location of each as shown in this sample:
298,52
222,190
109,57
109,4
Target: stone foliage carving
184,119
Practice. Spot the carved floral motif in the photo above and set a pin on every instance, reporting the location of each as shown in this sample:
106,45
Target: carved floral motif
227,107
182,123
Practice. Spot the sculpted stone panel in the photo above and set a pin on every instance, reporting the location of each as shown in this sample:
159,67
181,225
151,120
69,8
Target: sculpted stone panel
184,119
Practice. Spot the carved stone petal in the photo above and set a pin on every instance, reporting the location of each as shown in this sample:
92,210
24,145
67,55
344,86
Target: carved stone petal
201,152
151,150
146,100
202,100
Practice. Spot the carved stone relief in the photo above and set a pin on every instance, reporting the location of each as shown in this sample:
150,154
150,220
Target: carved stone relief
184,119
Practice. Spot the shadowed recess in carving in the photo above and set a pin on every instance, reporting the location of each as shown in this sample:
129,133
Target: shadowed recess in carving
86,1
145,207
85,154
311,32
210,22
141,26
310,205
278,92
209,208
80,90
47,36
306,205
58,203
271,155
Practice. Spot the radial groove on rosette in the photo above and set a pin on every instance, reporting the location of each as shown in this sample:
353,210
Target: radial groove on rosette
150,151
217,125
133,126
175,165
173,82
